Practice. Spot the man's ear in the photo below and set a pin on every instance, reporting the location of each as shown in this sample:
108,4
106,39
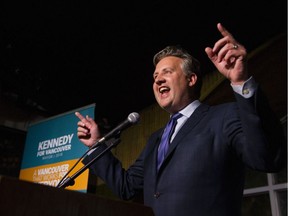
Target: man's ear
192,79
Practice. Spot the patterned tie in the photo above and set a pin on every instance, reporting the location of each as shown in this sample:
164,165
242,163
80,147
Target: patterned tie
165,140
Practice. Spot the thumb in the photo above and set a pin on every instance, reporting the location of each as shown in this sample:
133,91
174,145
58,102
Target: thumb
211,55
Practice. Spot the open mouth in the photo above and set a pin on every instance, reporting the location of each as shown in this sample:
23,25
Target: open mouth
164,89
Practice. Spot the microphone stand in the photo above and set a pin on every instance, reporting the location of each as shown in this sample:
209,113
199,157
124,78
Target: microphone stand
69,181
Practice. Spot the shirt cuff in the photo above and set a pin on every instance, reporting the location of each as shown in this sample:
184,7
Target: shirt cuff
247,89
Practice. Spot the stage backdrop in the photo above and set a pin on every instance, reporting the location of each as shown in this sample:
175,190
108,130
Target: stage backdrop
52,148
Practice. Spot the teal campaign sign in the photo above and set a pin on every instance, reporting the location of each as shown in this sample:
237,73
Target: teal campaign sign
52,146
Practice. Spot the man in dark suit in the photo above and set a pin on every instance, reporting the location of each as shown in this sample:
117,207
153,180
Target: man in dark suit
202,172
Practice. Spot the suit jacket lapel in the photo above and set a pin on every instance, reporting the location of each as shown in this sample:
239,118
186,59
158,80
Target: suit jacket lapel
187,127
152,156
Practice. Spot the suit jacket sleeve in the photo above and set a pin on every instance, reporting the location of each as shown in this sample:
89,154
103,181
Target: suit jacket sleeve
126,184
265,148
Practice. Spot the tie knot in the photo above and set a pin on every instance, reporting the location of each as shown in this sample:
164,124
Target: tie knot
176,116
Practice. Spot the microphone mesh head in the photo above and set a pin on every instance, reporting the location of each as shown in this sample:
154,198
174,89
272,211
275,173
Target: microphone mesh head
133,117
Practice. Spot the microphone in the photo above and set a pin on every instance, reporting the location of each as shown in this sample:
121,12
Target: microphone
132,118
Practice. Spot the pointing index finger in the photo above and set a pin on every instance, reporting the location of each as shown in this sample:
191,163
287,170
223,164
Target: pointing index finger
79,116
224,31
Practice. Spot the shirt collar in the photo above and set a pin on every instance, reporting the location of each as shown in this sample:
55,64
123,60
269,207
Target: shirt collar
190,108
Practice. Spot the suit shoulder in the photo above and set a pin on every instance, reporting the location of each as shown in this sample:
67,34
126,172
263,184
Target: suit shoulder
222,106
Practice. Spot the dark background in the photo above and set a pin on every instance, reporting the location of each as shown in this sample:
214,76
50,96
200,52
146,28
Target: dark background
61,55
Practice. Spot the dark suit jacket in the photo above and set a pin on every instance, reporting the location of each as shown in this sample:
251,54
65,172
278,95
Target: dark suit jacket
203,173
